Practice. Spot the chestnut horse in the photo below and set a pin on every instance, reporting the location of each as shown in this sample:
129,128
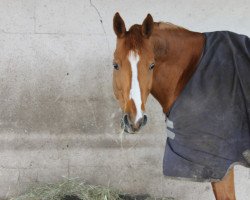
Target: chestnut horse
157,58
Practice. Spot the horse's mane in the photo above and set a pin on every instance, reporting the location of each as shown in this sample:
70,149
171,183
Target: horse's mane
169,26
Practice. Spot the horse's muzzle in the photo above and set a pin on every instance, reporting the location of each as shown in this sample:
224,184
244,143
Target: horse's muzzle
129,127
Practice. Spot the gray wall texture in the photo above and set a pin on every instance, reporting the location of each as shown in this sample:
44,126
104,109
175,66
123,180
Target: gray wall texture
59,118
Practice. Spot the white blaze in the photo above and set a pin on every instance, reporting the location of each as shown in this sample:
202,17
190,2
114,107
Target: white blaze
135,92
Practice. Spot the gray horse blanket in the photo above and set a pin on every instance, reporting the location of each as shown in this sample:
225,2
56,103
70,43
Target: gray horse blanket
208,125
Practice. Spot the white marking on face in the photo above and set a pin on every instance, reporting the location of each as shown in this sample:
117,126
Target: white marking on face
135,92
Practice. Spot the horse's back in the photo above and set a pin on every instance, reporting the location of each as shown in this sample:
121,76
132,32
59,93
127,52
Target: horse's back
229,59
239,45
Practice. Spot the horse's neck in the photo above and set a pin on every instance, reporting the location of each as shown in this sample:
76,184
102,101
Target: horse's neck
177,52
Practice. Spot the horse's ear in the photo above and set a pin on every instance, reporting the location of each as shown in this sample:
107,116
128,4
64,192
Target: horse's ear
147,26
119,25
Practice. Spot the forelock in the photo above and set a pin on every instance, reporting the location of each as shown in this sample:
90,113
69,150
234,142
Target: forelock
134,38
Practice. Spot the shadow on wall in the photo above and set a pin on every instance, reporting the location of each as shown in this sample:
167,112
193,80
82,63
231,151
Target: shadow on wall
57,102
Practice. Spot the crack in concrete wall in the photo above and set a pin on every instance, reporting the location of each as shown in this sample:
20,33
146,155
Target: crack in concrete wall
101,21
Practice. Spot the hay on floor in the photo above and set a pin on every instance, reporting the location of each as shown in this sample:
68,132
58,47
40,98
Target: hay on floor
77,190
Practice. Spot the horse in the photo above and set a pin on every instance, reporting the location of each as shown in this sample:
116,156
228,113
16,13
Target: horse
174,65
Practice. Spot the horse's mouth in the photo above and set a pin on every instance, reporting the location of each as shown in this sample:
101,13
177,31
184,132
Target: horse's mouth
131,130
126,128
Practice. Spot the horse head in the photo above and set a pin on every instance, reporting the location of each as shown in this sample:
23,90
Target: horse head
133,70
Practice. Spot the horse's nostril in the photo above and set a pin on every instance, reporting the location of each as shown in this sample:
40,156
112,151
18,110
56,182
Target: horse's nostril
141,122
125,119
145,119
125,124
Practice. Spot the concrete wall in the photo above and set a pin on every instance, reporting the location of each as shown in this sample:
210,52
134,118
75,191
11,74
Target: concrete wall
58,115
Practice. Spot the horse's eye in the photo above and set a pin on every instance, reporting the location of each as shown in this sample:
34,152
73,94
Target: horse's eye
116,66
151,66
